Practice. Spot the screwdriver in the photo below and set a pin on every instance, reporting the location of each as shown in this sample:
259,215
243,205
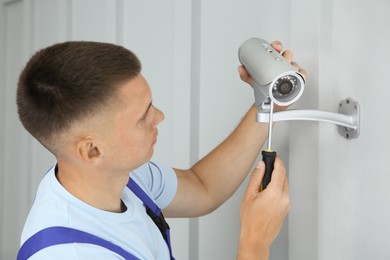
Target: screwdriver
268,155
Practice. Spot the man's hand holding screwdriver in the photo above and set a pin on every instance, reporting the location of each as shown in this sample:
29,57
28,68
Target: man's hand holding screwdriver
262,212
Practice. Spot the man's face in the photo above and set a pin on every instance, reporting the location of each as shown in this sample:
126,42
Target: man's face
133,132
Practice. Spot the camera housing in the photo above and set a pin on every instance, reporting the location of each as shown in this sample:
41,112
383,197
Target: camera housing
274,77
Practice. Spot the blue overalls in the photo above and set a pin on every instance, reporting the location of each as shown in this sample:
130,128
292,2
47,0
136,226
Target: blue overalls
62,235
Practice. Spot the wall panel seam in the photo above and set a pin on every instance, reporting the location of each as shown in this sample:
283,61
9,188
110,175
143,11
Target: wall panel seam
195,112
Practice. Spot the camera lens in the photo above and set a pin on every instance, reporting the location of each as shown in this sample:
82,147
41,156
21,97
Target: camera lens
287,88
284,87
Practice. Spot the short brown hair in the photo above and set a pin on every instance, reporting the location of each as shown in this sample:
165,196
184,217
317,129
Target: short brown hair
68,81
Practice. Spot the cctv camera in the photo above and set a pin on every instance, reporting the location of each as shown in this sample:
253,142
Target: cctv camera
274,76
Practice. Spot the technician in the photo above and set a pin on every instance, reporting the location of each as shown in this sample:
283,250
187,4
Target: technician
89,104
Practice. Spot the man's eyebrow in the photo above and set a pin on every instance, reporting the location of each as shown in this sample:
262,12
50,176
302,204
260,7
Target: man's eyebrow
147,110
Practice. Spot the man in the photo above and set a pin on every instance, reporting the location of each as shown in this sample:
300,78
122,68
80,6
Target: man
89,105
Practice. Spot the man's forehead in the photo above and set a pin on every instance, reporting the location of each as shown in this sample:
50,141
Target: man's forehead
136,91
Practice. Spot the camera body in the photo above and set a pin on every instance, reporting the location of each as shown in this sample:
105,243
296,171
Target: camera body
274,76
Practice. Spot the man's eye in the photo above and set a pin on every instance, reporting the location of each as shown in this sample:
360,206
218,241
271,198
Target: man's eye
144,117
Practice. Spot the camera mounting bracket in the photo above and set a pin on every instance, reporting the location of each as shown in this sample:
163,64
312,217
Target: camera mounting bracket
347,119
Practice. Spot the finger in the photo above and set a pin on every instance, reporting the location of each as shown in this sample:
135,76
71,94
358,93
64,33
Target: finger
278,108
277,45
289,55
286,194
303,72
255,179
295,65
278,175
299,69
244,75
285,185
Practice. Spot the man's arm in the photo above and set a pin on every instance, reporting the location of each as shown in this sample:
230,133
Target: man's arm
213,179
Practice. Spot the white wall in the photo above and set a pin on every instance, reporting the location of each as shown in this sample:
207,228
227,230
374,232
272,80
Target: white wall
339,197
353,203
345,48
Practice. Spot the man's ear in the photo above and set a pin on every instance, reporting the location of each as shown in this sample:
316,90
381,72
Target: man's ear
88,149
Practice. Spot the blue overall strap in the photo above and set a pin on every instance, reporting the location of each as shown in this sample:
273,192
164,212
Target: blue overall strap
63,235
153,211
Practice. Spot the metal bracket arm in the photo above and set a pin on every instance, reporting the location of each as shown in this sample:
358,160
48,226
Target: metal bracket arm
347,118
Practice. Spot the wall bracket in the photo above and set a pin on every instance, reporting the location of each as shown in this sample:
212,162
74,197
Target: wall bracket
350,107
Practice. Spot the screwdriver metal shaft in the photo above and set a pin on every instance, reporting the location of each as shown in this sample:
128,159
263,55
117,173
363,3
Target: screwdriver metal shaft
271,112
268,155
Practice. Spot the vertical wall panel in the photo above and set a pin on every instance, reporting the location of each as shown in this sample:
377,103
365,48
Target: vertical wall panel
224,99
2,118
50,22
354,197
194,155
15,188
180,116
48,26
303,164
93,20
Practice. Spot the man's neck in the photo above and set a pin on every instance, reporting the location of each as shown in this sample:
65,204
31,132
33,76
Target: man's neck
99,189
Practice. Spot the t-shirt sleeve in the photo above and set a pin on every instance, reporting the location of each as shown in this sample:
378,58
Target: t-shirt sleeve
158,181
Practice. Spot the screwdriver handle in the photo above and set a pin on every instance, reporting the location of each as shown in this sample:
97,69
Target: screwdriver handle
269,160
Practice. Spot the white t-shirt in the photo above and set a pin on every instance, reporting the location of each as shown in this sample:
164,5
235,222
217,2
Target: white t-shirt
133,230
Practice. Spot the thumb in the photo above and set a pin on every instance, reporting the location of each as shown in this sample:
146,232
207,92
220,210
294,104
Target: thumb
256,178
